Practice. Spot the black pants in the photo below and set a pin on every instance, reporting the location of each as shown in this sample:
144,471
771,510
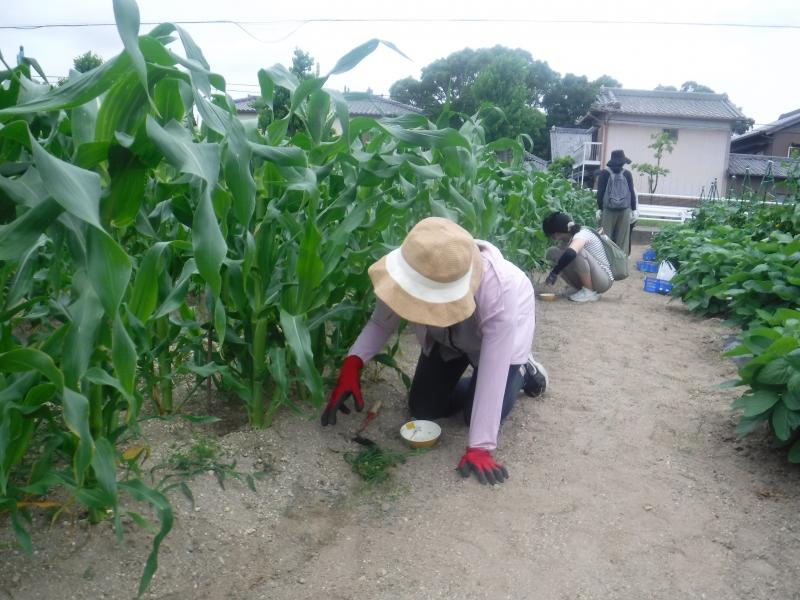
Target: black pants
439,391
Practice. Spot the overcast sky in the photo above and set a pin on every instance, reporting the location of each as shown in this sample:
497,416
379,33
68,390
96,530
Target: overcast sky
754,66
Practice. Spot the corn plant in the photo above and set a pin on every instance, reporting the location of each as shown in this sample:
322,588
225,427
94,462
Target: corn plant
140,243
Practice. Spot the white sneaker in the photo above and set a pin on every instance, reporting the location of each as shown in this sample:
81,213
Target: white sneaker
585,295
566,292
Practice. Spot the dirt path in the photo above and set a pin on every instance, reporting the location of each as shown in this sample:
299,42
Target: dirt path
627,482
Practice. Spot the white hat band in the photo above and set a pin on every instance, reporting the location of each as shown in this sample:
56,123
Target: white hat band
422,288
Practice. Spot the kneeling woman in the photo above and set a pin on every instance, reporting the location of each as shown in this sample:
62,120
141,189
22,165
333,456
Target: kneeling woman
580,258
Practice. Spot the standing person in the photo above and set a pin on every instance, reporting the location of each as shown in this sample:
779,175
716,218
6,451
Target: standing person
616,199
580,258
469,306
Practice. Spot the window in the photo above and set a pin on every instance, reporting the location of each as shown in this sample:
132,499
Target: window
794,151
672,133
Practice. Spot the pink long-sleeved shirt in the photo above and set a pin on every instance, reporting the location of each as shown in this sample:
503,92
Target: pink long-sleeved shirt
501,330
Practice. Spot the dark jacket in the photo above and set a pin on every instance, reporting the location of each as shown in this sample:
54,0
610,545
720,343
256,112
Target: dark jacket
602,182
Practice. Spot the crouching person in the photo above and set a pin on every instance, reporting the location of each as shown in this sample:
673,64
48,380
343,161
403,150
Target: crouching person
469,306
579,259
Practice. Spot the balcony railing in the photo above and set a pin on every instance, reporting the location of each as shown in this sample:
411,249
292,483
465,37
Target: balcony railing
586,153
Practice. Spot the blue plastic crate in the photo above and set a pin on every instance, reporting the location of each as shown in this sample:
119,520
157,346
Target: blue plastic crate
664,287
649,254
647,266
657,286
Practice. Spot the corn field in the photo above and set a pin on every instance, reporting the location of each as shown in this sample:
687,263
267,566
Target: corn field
149,236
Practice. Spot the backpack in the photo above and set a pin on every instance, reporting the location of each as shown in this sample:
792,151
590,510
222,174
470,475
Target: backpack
617,258
617,195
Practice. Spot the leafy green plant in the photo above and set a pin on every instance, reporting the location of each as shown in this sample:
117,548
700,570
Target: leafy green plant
662,142
773,377
372,464
202,455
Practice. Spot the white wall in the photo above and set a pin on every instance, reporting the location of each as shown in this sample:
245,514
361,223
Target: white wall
699,156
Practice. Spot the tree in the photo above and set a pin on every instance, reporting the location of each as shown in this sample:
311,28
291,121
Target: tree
302,68
562,166
743,125
665,88
302,64
662,142
503,83
571,97
87,61
693,86
467,80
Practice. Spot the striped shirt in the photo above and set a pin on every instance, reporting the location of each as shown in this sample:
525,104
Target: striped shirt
595,247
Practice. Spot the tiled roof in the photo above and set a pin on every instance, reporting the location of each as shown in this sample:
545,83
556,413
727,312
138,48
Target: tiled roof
359,105
245,105
692,105
367,105
537,162
786,120
756,165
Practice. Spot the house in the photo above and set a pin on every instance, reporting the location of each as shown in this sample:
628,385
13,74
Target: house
579,145
700,124
760,159
358,104
763,175
779,138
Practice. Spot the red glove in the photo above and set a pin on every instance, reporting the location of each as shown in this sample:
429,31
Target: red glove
481,463
349,384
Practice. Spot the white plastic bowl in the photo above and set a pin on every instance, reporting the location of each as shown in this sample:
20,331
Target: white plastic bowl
420,434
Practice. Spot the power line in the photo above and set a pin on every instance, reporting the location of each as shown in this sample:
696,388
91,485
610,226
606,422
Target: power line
478,20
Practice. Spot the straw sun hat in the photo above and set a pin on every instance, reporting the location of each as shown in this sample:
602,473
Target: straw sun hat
431,279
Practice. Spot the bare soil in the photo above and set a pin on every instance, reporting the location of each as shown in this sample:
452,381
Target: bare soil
627,482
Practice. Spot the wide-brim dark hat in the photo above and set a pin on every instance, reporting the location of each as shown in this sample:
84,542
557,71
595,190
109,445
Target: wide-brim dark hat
618,159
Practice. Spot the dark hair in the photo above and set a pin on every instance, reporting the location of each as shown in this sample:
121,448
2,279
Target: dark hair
559,222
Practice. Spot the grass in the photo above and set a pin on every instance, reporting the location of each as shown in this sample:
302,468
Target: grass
203,455
372,464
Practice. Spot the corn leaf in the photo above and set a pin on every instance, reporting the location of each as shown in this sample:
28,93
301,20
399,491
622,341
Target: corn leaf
79,89
27,189
158,501
29,359
80,340
76,190
128,180
126,15
169,100
238,175
123,355
123,108
309,267
299,340
23,537
201,159
105,469
318,108
109,269
208,243
144,295
76,418
21,235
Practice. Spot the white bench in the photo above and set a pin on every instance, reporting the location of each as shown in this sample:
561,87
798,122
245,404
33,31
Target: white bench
670,214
